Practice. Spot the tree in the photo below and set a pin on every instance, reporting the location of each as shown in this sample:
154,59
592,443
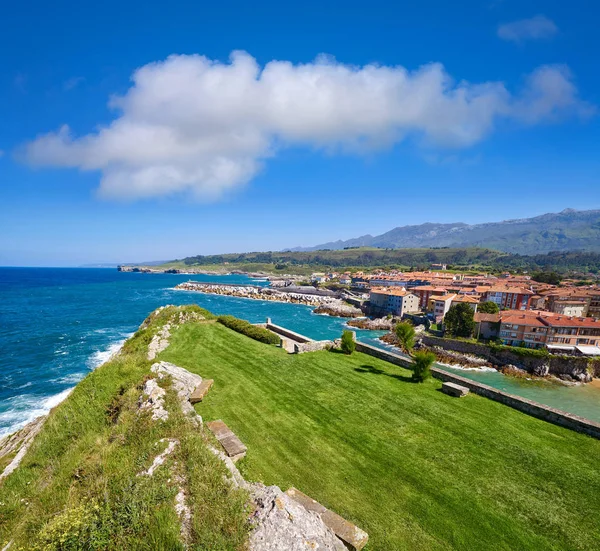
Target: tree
459,320
422,362
406,335
488,307
348,344
546,277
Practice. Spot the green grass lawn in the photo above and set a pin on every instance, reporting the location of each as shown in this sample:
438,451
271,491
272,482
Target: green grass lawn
413,467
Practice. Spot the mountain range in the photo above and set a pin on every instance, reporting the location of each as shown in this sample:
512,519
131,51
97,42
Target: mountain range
568,230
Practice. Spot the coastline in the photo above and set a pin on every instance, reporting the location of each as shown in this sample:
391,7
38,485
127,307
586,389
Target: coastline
49,403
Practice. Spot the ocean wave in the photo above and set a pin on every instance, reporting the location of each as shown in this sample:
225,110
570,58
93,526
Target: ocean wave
27,407
102,356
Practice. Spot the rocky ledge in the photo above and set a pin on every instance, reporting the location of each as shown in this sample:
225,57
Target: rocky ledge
377,324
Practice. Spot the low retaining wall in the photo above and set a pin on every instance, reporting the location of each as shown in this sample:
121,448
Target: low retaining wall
286,332
546,413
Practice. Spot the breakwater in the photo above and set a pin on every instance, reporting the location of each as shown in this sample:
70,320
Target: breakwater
259,293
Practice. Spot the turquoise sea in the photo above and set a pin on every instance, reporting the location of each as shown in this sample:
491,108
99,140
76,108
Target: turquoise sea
58,324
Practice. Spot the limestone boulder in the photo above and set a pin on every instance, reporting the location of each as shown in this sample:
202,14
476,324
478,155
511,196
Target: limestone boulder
282,524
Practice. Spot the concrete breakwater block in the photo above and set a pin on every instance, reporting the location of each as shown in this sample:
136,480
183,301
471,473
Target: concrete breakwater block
201,391
232,445
452,389
351,535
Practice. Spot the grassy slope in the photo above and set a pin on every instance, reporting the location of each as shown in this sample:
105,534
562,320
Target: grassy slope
415,468
77,487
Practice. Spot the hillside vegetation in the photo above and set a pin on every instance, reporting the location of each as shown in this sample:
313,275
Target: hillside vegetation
413,467
303,262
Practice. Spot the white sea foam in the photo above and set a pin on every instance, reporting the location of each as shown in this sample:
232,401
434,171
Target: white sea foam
102,356
25,408
482,369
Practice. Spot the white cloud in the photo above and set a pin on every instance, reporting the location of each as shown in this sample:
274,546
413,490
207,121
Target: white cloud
535,28
190,124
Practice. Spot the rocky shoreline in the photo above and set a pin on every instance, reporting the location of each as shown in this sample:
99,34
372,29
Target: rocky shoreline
376,324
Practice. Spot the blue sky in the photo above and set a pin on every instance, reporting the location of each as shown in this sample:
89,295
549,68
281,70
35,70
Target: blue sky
433,111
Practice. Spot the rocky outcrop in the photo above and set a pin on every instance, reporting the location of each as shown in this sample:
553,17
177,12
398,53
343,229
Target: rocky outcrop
282,524
183,381
18,443
377,324
153,400
159,342
339,309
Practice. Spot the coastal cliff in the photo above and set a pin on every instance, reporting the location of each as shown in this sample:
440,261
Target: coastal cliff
125,462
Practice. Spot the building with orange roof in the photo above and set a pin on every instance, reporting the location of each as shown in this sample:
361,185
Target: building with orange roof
535,329
472,301
392,300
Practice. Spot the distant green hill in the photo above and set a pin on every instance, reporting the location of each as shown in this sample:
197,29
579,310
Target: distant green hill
569,230
303,262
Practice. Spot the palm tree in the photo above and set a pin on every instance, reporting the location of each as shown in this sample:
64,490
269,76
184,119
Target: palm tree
406,336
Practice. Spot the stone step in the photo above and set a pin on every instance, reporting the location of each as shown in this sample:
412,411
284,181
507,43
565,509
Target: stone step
350,534
452,389
201,391
232,445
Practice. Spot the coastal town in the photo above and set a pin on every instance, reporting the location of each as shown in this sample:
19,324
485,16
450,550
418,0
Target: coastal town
515,310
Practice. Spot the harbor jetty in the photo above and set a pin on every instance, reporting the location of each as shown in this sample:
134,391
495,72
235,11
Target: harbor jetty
261,293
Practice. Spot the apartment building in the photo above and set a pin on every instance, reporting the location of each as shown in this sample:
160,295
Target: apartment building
538,329
392,300
511,298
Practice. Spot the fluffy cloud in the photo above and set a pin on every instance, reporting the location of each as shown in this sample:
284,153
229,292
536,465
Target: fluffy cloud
190,124
536,28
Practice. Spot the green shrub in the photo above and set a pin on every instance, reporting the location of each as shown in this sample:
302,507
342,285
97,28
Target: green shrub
520,351
348,344
422,362
246,328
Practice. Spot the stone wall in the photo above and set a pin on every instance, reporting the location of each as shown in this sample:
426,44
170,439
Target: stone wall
546,413
383,355
557,365
555,416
